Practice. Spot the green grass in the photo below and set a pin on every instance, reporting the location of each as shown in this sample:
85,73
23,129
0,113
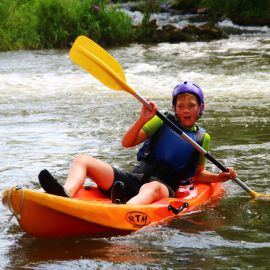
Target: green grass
39,24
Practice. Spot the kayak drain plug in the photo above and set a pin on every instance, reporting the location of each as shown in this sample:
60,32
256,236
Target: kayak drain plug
178,210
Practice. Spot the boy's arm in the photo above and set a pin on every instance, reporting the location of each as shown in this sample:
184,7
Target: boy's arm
135,134
203,176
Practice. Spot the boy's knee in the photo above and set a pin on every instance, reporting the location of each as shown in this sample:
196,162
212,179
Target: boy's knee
158,189
81,159
154,186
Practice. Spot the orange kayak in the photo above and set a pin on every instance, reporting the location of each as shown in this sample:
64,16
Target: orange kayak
91,214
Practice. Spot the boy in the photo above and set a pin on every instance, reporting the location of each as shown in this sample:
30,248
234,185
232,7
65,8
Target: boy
167,160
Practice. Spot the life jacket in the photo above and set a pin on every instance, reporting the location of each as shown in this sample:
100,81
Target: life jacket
168,157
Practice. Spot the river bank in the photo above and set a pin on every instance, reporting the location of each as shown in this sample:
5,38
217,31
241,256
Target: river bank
191,20
55,24
242,12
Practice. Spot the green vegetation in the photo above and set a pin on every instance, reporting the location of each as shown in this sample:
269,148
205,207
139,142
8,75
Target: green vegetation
145,30
185,4
244,8
17,26
242,11
37,24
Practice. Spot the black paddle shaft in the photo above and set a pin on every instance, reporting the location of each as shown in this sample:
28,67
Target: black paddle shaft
189,140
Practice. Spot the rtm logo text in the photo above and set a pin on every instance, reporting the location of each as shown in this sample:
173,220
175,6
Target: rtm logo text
138,219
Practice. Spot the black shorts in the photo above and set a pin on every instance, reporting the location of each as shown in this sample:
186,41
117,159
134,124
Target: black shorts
133,183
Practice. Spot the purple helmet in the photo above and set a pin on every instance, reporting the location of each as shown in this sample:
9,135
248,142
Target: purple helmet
188,87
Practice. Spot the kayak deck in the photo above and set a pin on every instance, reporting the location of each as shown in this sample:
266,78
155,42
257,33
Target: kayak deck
92,214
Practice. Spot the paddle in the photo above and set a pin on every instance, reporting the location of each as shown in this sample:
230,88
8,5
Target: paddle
95,60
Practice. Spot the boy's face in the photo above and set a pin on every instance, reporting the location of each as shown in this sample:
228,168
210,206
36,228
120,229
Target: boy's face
187,109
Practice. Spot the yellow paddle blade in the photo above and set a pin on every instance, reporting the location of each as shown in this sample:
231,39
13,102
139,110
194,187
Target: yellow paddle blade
95,60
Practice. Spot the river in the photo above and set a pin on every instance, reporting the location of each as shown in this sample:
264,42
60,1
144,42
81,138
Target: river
51,109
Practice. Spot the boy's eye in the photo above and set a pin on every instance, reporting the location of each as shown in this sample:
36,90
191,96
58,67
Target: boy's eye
190,106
